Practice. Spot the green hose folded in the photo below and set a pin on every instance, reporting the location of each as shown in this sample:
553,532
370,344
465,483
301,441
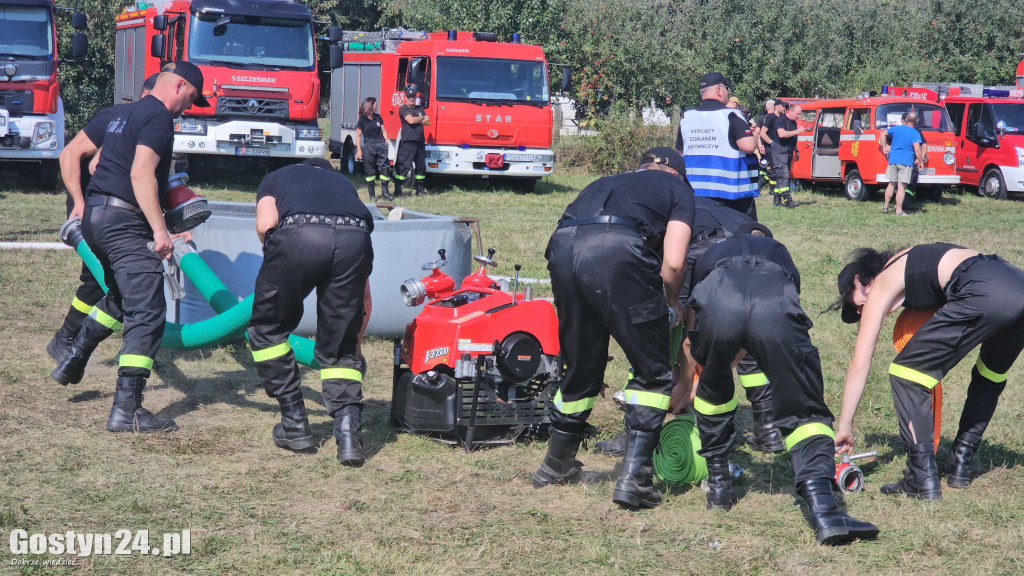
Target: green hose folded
676,460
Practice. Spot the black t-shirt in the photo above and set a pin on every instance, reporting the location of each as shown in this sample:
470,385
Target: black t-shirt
765,248
146,122
784,123
770,126
648,197
762,119
738,127
303,189
371,128
94,130
711,216
411,132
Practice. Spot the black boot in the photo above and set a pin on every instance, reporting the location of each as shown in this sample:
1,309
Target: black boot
370,190
635,488
776,199
348,436
831,525
293,432
58,346
384,190
720,496
614,447
128,415
421,187
766,437
789,202
560,465
921,479
71,368
398,191
958,470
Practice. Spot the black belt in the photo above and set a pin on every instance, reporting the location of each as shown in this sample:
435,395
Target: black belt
108,200
617,220
324,220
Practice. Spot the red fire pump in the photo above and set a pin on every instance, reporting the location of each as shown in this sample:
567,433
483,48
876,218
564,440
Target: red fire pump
478,365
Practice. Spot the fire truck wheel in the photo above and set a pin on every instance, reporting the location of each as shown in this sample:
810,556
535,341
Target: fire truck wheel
348,159
855,187
992,185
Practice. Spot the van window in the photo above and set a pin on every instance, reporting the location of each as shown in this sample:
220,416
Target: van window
860,119
979,122
931,117
403,66
956,116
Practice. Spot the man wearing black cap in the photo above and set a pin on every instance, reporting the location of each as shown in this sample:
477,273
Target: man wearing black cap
316,234
616,262
718,148
411,143
123,223
780,139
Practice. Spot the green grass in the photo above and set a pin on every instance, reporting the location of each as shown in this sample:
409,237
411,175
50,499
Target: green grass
421,508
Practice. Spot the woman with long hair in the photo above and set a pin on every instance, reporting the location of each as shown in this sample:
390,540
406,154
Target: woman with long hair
374,150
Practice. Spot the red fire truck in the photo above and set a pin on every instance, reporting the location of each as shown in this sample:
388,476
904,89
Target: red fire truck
488,101
31,110
259,68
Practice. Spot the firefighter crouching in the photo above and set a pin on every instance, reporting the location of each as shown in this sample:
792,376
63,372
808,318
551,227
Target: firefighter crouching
316,235
745,300
616,263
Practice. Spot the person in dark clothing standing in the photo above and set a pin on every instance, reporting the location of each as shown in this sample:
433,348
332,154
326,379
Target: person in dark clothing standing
374,152
411,147
781,140
316,235
745,300
979,300
123,223
616,263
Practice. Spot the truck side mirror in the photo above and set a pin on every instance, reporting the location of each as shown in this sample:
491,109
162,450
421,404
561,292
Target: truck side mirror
566,79
336,34
856,126
337,56
158,46
78,20
1001,127
417,71
160,22
79,45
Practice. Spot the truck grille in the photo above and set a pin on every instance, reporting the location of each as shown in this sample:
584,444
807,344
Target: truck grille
17,102
262,107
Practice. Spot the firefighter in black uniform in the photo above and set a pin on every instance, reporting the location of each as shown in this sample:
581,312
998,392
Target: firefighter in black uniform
411,146
123,223
616,263
746,299
374,153
316,235
74,170
980,300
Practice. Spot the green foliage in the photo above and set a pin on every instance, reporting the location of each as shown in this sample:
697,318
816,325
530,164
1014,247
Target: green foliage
620,141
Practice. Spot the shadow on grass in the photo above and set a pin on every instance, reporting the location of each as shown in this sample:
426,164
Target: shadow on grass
440,184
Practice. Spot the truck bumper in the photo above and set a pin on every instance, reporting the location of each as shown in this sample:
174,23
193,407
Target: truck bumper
31,138
939,179
453,160
249,139
1013,177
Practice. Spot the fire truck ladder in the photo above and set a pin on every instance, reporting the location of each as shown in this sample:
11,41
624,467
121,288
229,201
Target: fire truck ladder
379,40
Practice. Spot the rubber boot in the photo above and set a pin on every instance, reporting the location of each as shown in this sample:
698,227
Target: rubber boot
720,496
958,470
370,189
72,367
421,187
766,437
58,346
348,436
635,488
776,199
789,202
921,479
127,413
398,191
384,190
614,447
560,465
293,432
832,526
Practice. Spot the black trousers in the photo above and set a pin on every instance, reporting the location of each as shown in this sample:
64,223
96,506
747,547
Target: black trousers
410,152
985,306
375,160
750,304
296,260
781,159
134,277
87,295
607,283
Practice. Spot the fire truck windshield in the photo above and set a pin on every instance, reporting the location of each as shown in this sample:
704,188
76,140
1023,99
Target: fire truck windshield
26,32
931,117
1012,114
492,79
251,42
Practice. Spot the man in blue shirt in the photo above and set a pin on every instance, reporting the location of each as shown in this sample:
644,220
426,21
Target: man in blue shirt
902,145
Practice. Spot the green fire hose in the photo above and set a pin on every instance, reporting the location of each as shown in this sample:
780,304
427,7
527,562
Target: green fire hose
676,460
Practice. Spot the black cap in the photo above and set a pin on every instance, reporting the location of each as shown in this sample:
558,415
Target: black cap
850,313
665,156
193,75
319,163
781,102
755,228
150,82
712,79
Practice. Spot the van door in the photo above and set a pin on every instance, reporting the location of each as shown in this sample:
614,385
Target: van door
825,163
858,144
979,137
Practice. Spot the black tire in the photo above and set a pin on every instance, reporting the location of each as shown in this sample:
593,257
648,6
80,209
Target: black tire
524,184
855,187
992,185
348,159
49,170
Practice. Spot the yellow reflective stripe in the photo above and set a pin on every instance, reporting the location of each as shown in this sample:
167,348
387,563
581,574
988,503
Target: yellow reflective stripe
912,375
135,361
989,374
81,306
272,352
806,431
644,398
370,178
708,409
574,407
421,177
753,380
384,178
341,374
104,318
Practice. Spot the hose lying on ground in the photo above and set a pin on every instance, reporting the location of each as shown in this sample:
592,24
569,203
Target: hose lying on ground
676,460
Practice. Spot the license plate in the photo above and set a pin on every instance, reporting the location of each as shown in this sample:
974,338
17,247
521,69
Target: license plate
249,151
519,157
926,171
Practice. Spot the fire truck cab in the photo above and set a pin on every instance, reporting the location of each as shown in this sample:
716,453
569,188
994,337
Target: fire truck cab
488,101
843,146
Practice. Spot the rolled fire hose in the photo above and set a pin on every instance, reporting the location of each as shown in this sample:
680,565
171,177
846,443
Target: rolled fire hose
908,323
676,460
